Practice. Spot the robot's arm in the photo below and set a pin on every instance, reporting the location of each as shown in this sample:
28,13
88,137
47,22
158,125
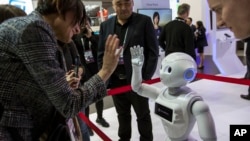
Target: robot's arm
204,120
137,59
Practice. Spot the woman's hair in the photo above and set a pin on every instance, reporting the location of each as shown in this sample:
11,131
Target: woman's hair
156,14
10,11
88,19
200,24
46,7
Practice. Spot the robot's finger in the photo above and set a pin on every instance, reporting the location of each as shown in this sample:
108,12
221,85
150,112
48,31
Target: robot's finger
132,52
141,50
137,50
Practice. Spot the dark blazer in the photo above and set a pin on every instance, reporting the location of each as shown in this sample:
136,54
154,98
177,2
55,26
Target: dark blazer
201,39
193,27
140,32
90,68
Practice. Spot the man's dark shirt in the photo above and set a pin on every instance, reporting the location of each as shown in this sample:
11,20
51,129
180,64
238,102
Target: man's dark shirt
177,36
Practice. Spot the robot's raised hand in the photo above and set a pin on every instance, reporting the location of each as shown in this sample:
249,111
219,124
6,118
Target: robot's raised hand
137,57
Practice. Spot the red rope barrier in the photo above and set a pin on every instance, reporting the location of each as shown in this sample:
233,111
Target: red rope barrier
224,79
127,88
92,126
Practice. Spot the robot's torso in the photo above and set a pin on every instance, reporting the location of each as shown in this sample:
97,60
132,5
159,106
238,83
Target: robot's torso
175,112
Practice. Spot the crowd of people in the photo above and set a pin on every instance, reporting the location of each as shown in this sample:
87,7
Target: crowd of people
52,66
132,29
35,87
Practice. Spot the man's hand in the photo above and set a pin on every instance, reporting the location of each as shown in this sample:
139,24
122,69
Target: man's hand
137,57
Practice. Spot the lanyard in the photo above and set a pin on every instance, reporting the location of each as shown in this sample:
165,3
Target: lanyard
125,37
83,44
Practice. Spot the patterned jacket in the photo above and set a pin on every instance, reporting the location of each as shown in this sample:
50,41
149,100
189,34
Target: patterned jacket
32,82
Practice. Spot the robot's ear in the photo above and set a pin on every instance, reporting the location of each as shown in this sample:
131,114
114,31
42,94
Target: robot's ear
189,74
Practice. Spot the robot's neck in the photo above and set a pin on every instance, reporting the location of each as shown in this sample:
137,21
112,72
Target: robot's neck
173,90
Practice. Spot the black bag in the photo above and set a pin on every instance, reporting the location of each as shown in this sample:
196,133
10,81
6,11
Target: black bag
60,133
57,130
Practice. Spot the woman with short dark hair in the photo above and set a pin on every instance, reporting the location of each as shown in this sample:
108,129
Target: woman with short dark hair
201,42
33,86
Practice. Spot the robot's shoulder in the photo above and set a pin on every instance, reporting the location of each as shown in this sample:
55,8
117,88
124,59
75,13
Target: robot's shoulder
193,95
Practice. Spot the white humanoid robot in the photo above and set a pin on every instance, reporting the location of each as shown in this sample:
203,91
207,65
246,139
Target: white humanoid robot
177,105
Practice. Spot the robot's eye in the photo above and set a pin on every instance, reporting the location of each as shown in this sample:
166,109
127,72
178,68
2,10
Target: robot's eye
168,69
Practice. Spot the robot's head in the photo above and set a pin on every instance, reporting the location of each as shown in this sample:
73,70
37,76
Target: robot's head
177,69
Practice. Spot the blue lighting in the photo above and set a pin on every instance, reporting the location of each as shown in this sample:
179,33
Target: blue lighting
189,74
18,3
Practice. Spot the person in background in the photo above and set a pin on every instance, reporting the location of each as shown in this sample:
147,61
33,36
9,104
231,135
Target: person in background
177,36
33,85
189,21
235,15
9,11
87,44
156,21
201,42
72,60
132,29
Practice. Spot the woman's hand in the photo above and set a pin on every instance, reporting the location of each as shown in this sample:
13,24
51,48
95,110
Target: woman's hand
110,58
72,80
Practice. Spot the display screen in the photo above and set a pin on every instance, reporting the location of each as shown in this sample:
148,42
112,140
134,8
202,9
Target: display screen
164,112
165,14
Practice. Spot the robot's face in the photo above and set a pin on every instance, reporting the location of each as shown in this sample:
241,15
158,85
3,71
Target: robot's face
177,69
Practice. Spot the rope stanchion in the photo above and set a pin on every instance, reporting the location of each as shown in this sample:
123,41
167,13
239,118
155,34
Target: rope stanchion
92,126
